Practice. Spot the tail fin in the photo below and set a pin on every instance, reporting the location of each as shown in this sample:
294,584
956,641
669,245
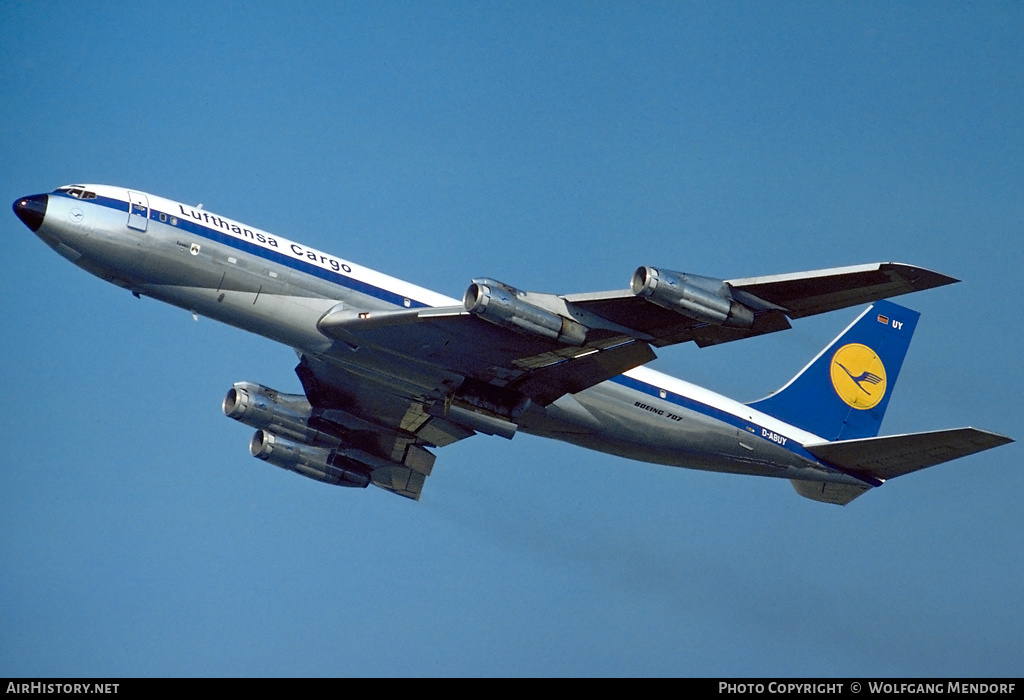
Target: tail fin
844,391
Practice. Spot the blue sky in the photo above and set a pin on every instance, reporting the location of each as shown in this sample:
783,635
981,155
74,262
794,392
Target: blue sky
555,146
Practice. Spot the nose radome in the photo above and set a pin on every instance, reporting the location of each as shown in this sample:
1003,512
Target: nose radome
31,210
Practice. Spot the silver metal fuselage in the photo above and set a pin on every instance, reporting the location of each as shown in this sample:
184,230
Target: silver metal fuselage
259,282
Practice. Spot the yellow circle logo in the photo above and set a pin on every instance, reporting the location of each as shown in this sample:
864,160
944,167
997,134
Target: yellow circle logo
858,376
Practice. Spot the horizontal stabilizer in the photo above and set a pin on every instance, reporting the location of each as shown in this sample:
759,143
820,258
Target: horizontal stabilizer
826,492
895,455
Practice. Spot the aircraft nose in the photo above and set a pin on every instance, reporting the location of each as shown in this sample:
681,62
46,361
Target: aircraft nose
31,210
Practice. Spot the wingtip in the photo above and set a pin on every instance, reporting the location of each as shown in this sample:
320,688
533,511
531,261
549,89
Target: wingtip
921,277
995,439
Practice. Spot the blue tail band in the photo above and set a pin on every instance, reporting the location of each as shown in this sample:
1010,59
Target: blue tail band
844,391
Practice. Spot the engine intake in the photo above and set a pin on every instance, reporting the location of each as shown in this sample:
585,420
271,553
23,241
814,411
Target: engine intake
701,298
503,305
283,414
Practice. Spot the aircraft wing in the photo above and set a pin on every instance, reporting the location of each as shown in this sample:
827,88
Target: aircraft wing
774,299
384,423
541,346
410,391
433,351
399,382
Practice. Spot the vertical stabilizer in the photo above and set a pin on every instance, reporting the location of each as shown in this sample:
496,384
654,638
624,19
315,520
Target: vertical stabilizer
844,391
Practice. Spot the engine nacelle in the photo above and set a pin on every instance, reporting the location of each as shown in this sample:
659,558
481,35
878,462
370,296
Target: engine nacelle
282,414
701,298
503,306
318,463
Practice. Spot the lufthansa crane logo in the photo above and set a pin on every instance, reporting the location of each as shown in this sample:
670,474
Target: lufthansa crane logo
858,376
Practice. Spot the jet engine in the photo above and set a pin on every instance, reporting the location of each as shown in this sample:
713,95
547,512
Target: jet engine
282,414
320,463
289,436
503,305
701,298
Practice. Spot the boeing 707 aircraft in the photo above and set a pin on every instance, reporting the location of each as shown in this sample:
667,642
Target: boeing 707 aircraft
391,371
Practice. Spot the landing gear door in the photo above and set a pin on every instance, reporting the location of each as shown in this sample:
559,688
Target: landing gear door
138,211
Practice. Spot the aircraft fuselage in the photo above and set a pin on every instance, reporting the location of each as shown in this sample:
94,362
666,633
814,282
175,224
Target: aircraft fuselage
223,269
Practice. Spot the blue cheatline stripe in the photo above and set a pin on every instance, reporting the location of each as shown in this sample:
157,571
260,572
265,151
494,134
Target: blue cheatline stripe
241,244
727,418
706,410
108,202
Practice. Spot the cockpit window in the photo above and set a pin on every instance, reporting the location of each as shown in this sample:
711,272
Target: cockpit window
76,191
